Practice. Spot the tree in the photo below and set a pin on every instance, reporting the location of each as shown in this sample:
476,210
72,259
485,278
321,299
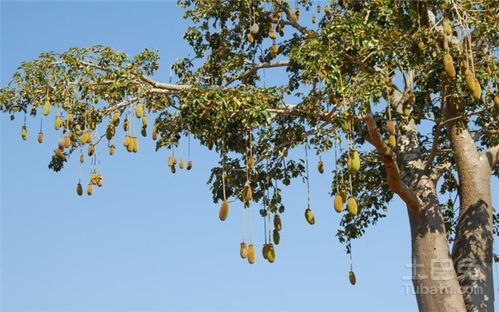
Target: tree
394,88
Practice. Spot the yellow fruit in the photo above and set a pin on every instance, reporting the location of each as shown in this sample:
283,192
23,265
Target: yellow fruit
89,137
449,65
477,90
352,206
135,144
170,161
496,101
154,134
82,158
115,118
57,122
352,278
224,210
254,28
276,236
392,141
66,141
247,193
144,121
59,154
320,166
90,189
100,181
272,34
338,203
46,108
390,125
69,119
353,163
24,133
251,254
406,110
91,150
79,189
250,38
139,110
181,164
112,149
250,162
309,216
126,141
274,49
243,251
93,178
277,222
189,165
40,137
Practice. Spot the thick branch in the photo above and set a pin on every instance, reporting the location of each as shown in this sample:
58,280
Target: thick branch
491,156
388,157
250,72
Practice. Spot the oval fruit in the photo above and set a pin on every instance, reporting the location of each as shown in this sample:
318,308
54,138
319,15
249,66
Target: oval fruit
309,216
352,206
352,278
224,210
277,222
338,203
40,137
251,254
243,250
276,237
79,189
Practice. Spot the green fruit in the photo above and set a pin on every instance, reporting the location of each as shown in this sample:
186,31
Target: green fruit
270,253
115,118
24,133
309,216
79,189
276,236
338,203
224,210
139,110
352,206
277,223
352,278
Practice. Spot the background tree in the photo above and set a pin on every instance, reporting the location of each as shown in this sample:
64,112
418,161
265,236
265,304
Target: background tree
405,78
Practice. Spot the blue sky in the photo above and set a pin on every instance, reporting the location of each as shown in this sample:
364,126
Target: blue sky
149,240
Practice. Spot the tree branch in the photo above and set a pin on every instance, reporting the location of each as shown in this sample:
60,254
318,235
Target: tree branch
250,72
491,156
388,157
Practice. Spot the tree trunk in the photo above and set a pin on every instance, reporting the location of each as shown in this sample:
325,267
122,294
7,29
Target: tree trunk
434,279
472,250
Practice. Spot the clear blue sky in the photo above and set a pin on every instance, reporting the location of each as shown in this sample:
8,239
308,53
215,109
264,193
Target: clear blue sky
149,240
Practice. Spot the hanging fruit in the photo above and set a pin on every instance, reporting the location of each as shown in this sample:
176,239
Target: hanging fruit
309,216
112,149
276,236
243,250
224,210
79,189
320,166
57,122
247,193
90,189
189,165
139,110
352,278
338,203
449,65
24,133
40,137
352,206
277,222
251,254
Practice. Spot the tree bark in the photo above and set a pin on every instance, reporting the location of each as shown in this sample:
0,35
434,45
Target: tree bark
472,251
434,279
